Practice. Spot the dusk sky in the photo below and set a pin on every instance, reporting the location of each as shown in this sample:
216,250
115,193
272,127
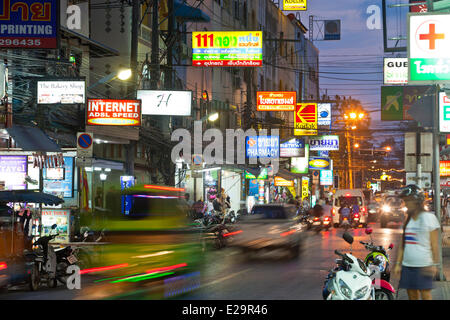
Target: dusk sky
358,56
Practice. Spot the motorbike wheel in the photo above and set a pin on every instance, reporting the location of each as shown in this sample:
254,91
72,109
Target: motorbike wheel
52,283
35,279
383,294
61,270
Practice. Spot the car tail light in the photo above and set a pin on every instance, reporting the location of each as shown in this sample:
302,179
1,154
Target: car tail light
356,215
316,219
327,218
333,212
363,210
3,266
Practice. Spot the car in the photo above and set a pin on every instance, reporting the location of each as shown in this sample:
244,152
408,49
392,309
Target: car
372,210
393,209
349,197
270,227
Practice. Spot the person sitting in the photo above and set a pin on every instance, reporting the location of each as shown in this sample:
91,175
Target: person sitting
344,212
317,211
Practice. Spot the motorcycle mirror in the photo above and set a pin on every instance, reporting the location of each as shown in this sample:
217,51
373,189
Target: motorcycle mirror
54,226
369,231
391,246
348,237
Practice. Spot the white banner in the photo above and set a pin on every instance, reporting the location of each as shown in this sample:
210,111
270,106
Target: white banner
61,91
165,103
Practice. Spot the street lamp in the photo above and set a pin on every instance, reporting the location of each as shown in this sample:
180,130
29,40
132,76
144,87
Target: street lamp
211,117
123,75
388,149
356,145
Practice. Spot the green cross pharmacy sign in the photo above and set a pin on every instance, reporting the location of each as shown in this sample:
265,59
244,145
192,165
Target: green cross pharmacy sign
429,48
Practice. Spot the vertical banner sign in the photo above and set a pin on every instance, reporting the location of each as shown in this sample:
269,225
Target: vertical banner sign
391,103
428,47
305,119
326,177
444,112
305,188
29,24
294,5
444,169
127,200
227,49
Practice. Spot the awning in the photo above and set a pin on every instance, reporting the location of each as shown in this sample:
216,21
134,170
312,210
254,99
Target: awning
32,139
96,49
107,164
188,13
285,174
29,196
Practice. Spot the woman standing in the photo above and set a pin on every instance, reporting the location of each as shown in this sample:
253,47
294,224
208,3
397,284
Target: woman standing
418,256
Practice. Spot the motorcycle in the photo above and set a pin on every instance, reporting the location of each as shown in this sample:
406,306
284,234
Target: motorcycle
317,224
378,260
356,220
350,279
327,223
44,259
65,257
214,230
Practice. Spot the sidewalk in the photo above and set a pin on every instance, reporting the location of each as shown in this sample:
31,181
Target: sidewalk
442,288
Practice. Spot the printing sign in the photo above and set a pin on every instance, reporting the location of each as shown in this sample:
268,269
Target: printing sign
61,92
29,24
107,112
276,101
165,103
292,148
324,143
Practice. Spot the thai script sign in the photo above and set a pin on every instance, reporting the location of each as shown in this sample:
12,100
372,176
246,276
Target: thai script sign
276,101
324,143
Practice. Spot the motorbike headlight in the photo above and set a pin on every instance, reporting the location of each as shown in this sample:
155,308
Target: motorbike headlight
386,208
345,289
361,292
405,209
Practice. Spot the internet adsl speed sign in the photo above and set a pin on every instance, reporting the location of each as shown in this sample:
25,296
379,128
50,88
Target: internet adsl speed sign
429,48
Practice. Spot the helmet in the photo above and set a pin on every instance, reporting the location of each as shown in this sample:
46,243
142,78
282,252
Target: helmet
412,192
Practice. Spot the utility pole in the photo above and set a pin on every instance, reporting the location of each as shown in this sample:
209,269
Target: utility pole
131,148
155,46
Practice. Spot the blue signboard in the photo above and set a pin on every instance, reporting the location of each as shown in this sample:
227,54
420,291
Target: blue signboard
292,148
29,24
125,183
326,177
64,187
262,146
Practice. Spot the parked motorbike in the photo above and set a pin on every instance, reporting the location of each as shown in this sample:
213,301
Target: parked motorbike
44,259
378,260
65,257
214,230
350,279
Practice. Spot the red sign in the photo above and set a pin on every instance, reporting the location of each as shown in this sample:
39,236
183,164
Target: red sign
107,112
418,8
444,169
29,24
276,101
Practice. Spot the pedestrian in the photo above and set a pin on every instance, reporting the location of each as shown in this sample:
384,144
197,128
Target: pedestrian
197,209
447,209
327,209
318,211
188,200
418,256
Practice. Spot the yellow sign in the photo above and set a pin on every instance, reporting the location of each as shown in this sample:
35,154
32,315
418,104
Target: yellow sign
294,5
385,177
305,119
280,182
305,188
369,185
292,191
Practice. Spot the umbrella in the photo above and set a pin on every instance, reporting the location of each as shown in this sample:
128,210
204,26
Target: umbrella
29,196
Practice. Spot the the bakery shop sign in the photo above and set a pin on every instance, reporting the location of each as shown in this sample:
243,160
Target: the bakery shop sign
107,112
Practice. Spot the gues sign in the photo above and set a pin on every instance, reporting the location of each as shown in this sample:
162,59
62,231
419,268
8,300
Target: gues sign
395,70
276,101
324,143
227,49
29,24
107,112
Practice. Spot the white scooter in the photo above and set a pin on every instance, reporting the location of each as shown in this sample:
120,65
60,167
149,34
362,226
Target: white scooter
350,280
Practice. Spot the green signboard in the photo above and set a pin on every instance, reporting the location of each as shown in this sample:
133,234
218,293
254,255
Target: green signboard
391,103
